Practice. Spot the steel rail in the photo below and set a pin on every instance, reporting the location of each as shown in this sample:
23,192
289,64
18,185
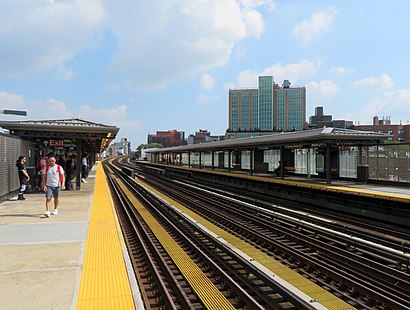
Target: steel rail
168,184
141,234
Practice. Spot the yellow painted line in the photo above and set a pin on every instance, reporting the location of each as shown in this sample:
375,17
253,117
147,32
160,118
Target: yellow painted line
104,280
311,289
200,283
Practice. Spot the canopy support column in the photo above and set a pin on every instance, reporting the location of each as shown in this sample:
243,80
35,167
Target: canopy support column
328,161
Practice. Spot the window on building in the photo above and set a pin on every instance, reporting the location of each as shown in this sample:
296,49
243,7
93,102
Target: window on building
401,132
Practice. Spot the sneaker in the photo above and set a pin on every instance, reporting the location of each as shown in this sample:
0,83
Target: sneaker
47,214
55,212
84,180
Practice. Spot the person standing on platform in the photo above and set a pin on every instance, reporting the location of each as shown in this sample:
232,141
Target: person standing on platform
42,163
53,182
84,168
23,176
61,161
69,165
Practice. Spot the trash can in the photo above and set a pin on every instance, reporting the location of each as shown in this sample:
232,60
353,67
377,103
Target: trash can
362,173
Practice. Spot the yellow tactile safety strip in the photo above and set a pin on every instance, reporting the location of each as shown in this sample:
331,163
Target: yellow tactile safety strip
313,290
104,280
206,290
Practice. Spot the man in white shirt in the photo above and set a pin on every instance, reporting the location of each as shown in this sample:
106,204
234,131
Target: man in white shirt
53,180
84,168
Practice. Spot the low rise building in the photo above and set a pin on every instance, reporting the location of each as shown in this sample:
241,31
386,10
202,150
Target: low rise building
168,138
320,120
119,148
202,136
400,132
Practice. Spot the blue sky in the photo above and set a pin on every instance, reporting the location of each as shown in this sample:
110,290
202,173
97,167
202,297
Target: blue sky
145,66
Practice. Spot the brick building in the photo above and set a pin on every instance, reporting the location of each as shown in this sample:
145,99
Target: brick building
168,138
401,133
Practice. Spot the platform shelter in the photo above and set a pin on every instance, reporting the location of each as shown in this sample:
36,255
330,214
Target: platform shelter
65,136
326,143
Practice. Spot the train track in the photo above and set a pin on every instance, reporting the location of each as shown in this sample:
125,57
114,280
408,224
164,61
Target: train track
365,278
163,283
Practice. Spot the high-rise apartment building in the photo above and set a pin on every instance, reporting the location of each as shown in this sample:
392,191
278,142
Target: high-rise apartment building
268,108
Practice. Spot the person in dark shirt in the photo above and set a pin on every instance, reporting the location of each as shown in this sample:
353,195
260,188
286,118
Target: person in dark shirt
23,176
61,160
69,171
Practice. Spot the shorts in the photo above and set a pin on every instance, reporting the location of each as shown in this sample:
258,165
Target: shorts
53,192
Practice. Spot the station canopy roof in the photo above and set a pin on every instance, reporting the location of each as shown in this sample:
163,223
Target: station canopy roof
97,136
295,139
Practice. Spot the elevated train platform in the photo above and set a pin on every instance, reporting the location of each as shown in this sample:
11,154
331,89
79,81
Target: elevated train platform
75,259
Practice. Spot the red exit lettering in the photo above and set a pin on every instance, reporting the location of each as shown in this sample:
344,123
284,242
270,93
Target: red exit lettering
57,143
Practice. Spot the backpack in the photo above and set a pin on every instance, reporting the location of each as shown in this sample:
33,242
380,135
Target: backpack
59,173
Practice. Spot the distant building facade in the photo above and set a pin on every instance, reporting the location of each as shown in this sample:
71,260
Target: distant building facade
168,138
202,136
401,133
119,148
266,109
320,120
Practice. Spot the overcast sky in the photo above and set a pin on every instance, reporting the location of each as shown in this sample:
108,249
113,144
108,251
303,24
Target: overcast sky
155,65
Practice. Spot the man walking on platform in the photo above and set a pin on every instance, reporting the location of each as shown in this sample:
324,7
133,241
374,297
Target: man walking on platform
84,168
52,182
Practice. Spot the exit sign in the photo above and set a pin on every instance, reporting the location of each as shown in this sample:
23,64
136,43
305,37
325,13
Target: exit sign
57,143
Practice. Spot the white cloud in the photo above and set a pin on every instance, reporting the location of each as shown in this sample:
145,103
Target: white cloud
207,82
393,103
115,116
383,82
10,101
318,23
254,23
57,109
205,100
398,99
48,109
65,74
106,116
36,35
325,89
339,70
293,72
179,38
253,4
156,42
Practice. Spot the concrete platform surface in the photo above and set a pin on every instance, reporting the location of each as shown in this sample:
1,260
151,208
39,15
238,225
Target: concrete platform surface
41,258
